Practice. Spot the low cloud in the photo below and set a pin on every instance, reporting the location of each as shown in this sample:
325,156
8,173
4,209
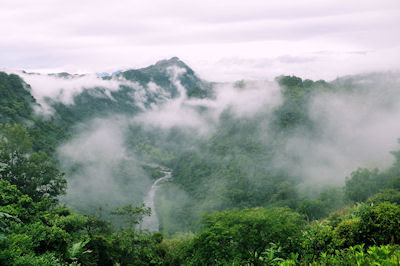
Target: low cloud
52,88
100,170
355,129
243,98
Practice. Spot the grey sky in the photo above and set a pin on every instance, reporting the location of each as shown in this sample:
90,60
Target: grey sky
221,40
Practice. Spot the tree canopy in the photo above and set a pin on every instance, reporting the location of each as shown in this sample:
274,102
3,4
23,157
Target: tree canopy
33,173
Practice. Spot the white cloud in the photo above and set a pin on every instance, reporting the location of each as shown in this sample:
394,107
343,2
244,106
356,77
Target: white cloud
354,130
253,97
64,89
97,35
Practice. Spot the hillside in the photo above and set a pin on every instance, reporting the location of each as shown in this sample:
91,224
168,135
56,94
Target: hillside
262,171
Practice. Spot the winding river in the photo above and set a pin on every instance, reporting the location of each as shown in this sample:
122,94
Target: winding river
151,222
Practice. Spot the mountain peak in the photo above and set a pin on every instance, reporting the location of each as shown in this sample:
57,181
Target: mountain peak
175,58
160,75
173,61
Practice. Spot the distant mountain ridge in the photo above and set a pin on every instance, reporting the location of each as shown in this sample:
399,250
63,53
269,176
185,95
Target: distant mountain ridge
151,84
159,74
138,90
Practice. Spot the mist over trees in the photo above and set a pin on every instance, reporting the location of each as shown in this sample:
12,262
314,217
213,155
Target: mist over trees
263,172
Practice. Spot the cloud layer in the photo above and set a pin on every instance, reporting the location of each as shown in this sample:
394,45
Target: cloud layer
225,39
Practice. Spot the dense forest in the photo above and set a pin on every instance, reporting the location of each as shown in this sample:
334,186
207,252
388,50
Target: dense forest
256,175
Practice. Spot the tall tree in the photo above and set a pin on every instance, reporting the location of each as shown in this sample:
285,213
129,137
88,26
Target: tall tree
33,173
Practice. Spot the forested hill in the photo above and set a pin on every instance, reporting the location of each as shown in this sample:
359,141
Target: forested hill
16,102
136,90
160,74
263,172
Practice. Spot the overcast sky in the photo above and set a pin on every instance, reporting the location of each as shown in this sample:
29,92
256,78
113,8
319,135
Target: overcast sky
222,40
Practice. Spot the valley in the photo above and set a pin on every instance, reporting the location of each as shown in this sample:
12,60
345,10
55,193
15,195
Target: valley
227,172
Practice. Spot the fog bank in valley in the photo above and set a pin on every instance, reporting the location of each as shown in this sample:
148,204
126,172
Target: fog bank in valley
354,125
100,171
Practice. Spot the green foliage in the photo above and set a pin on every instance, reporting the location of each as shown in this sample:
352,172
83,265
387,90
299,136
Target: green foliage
153,172
15,100
231,168
139,248
36,233
332,198
362,184
77,250
293,112
357,255
176,249
16,106
160,74
47,259
317,238
72,222
290,81
14,203
33,173
347,233
369,224
312,209
269,256
46,238
389,195
380,224
133,215
243,236
15,141
27,235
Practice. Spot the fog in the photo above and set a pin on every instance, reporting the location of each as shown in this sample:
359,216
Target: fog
355,125
243,98
99,170
102,170
63,87
358,128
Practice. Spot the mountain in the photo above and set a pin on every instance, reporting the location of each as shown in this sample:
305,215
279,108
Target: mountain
248,144
16,101
160,74
133,91
253,153
138,89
